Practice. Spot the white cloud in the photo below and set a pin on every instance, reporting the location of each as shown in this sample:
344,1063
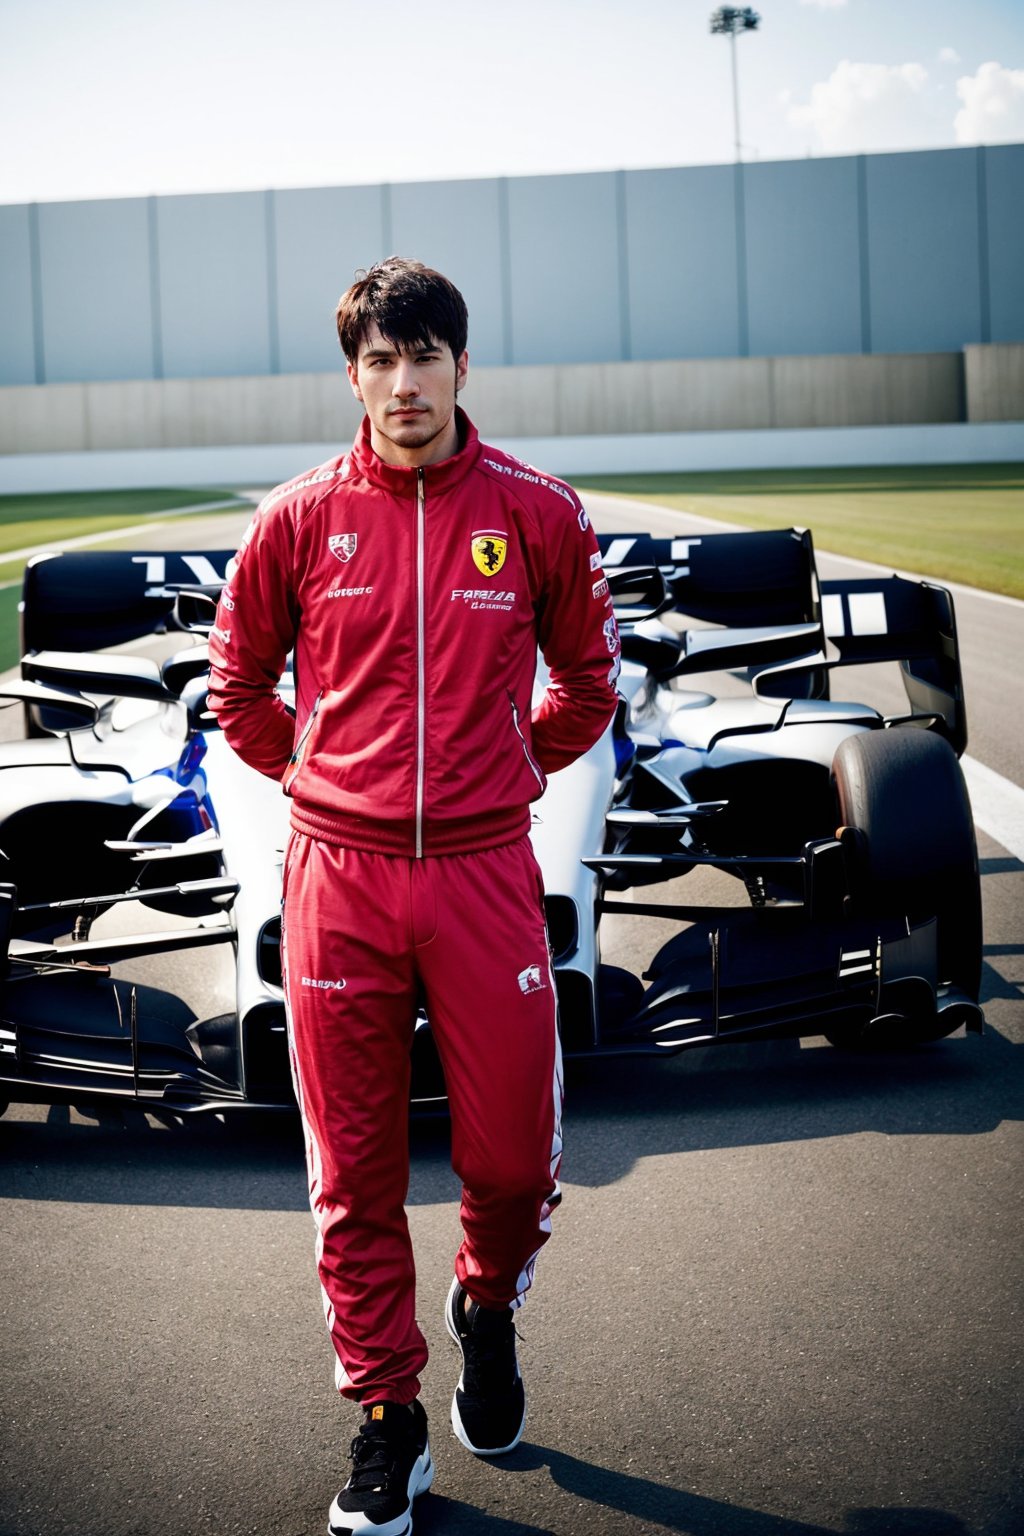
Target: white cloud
948,56
993,106
825,5
865,106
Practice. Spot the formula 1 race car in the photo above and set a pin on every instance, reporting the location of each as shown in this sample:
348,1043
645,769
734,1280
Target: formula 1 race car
813,860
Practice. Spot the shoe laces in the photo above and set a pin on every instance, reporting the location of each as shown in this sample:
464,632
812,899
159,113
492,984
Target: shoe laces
373,1454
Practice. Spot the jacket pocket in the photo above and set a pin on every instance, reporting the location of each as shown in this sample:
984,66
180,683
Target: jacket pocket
534,768
302,746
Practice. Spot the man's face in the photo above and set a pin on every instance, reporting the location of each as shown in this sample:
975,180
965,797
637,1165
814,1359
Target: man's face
410,398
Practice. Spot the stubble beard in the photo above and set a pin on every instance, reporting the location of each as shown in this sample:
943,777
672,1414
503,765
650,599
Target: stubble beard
417,434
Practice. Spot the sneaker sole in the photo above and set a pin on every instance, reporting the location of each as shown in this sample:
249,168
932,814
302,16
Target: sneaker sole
479,1450
457,1424
420,1479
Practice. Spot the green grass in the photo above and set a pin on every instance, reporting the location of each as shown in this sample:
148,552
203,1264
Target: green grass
961,523
10,628
29,521
26,521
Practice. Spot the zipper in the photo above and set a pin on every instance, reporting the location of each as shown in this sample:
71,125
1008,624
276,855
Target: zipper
421,724
295,761
526,751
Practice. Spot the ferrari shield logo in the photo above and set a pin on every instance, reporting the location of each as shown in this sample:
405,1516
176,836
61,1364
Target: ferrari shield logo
342,545
489,547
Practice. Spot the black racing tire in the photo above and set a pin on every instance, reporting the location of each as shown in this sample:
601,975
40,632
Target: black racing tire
912,851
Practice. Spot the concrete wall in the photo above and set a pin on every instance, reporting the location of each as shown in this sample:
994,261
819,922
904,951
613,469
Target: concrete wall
994,379
680,254
576,399
319,237
214,285
867,254
97,320
1003,236
456,226
803,270
924,251
18,329
175,413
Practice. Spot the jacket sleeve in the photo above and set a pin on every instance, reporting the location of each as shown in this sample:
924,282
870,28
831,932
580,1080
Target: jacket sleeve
249,644
580,643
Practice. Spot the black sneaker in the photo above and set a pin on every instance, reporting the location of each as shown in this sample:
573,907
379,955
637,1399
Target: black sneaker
489,1406
390,1465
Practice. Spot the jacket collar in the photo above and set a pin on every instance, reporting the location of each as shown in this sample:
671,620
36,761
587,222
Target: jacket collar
437,477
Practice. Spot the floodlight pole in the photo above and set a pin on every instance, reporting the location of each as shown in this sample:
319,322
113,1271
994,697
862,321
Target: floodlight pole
731,20
735,96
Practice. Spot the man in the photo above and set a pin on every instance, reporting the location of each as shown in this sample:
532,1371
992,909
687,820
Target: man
415,578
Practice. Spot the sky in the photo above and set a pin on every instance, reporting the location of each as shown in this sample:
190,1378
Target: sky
128,98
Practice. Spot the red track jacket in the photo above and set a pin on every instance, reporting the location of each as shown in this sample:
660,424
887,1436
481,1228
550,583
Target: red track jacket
415,601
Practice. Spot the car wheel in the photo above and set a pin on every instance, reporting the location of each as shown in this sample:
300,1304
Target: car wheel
912,852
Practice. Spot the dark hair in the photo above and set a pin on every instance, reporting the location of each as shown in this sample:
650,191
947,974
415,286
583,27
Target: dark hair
411,305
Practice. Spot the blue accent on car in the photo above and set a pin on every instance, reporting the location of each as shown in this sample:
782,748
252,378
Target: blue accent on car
625,751
190,759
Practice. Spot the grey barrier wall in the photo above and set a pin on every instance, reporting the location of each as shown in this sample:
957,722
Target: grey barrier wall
902,253
994,383
572,400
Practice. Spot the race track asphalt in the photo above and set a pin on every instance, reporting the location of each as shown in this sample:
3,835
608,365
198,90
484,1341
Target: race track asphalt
782,1297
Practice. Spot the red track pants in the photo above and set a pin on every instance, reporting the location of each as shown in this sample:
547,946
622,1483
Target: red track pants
363,934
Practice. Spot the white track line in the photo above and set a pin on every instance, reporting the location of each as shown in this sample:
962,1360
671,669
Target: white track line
118,533
721,526
998,805
936,581
57,546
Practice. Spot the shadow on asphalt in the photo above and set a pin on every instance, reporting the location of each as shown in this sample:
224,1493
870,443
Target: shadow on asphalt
756,1095
618,1111
1000,866
670,1509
